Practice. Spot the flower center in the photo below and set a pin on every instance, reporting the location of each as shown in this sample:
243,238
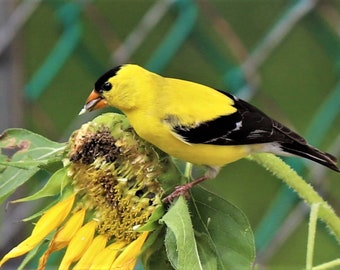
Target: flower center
117,179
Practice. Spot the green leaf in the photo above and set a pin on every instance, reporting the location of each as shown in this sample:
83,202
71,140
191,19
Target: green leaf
20,145
3,158
180,241
54,186
11,178
24,143
153,221
206,253
30,164
154,255
227,228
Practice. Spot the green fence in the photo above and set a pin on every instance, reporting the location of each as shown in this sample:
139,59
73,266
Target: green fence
282,56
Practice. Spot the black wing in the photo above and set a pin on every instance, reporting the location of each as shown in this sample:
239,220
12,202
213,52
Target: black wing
248,125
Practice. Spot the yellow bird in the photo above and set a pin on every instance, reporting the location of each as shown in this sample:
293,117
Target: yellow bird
194,122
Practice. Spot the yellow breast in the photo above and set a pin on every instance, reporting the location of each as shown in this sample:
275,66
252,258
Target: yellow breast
155,132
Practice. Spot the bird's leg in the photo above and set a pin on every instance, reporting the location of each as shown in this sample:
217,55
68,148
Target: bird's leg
183,189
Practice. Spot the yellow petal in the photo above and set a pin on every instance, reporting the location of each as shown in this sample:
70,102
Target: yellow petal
78,245
63,236
49,221
127,259
97,245
106,257
53,217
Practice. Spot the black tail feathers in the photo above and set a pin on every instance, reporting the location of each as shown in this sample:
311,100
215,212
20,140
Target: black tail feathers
309,152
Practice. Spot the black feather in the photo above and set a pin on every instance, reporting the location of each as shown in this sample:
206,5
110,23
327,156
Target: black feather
102,79
309,152
249,125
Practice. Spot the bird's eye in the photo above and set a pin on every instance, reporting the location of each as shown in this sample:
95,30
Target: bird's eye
107,86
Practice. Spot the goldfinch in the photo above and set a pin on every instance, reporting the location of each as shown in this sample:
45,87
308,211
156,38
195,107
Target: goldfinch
194,122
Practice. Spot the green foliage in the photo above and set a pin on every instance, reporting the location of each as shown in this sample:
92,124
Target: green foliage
207,233
210,233
226,227
204,232
305,191
54,186
27,153
180,241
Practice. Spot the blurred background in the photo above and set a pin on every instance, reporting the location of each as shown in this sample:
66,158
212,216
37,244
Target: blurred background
282,56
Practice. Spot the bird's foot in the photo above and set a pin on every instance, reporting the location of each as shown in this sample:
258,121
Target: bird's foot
179,190
183,190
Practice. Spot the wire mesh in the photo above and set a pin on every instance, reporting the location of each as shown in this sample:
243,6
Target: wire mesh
281,55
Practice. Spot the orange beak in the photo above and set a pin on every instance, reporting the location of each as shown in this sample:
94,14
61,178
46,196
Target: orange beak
93,102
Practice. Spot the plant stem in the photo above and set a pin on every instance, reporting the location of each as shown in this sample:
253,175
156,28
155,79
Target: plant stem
327,265
281,170
313,218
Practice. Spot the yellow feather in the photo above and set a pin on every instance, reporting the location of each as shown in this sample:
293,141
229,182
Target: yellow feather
148,100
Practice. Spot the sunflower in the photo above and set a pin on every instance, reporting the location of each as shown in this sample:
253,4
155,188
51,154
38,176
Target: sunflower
109,202
105,209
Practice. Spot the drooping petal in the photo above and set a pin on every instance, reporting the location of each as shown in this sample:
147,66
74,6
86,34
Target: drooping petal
78,245
48,222
127,259
53,217
97,245
63,236
106,257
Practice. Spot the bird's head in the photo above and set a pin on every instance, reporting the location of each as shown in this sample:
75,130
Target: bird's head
117,88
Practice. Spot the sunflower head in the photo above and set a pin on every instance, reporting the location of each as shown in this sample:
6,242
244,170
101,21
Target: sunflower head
116,173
